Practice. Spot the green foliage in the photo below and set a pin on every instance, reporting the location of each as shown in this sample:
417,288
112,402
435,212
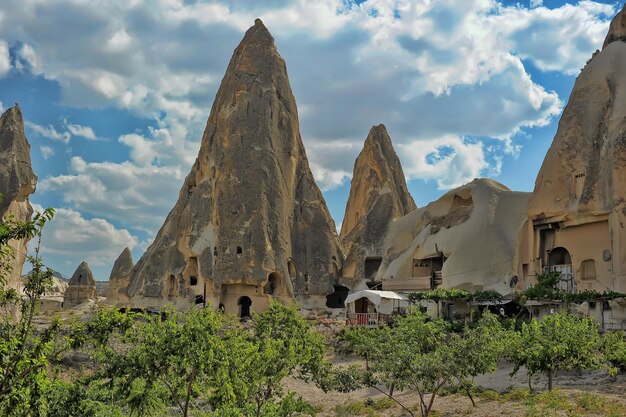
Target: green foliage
487,295
440,294
546,289
613,347
559,341
422,355
23,352
202,362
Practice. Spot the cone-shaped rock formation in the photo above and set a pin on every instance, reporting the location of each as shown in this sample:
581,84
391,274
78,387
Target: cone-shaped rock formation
81,288
119,278
378,195
250,220
577,213
617,30
17,182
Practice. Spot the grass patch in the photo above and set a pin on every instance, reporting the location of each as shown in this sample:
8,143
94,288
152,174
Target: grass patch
596,404
368,408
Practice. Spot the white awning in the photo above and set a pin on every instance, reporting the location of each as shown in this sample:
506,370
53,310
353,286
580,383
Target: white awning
383,300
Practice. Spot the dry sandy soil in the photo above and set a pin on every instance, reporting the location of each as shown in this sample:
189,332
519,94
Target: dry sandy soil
591,393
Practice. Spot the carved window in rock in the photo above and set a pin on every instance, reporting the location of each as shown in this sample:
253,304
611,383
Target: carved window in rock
193,280
588,269
579,184
239,250
271,287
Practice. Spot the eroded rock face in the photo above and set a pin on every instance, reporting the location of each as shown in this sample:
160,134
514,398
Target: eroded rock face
81,288
17,182
617,30
119,279
250,219
378,195
466,240
577,213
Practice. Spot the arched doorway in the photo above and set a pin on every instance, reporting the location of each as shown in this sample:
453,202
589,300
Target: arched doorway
559,260
244,304
559,256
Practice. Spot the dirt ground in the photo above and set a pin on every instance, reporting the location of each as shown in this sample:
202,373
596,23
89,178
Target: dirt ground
591,393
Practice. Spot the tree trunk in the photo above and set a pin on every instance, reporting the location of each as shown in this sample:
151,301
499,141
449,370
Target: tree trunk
393,385
530,386
469,394
550,372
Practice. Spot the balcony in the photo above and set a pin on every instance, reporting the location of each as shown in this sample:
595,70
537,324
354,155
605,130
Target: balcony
367,319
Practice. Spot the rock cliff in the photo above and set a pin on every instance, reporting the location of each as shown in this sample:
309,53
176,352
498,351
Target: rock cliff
378,195
81,288
17,182
249,221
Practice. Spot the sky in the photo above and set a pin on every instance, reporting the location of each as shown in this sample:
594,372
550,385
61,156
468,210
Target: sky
116,94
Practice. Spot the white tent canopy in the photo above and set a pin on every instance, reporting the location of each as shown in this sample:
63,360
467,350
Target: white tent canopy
384,301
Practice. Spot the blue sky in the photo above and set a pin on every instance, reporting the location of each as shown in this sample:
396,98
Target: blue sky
116,94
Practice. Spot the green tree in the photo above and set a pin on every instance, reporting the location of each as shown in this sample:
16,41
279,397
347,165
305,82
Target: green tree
559,341
424,356
23,352
202,362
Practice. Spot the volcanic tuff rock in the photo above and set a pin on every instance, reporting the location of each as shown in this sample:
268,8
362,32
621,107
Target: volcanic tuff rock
378,195
81,288
617,30
470,233
579,200
250,206
17,182
119,278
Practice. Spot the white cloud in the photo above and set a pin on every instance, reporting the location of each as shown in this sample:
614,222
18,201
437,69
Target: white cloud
70,238
5,59
46,151
450,160
27,57
560,39
139,197
433,72
536,3
72,130
49,132
78,130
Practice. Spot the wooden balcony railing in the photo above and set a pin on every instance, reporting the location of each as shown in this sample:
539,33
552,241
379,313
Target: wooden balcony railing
366,319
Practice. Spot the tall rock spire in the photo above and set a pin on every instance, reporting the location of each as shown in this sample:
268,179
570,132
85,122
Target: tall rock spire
17,182
617,30
378,194
577,212
250,220
118,280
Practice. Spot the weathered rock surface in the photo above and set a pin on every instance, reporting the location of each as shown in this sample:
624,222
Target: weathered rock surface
577,212
17,182
617,30
378,195
469,235
119,279
81,288
250,219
